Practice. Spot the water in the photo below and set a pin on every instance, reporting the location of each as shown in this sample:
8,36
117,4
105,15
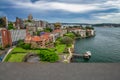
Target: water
105,46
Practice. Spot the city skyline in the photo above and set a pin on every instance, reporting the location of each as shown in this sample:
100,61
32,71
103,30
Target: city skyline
74,11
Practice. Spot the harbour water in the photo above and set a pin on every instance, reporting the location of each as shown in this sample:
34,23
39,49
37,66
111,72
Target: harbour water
105,46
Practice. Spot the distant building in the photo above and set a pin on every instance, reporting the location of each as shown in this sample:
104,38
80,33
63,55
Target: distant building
3,22
90,32
30,17
19,24
78,31
5,38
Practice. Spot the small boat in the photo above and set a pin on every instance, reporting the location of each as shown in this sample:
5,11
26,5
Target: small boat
87,55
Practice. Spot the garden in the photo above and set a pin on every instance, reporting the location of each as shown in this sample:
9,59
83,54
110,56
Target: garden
45,54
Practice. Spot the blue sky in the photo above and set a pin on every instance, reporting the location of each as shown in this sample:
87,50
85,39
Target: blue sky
78,11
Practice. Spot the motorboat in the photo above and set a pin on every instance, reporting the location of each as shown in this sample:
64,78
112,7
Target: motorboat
87,55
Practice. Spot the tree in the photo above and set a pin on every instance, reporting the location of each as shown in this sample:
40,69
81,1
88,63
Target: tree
20,43
88,27
10,26
57,25
48,29
26,46
70,34
49,56
67,40
2,22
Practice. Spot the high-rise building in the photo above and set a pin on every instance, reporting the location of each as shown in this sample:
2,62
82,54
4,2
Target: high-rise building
19,24
3,22
30,17
5,38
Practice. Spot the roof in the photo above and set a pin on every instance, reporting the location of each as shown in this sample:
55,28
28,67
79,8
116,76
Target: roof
36,38
45,36
57,31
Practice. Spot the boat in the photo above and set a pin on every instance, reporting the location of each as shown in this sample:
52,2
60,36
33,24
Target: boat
87,55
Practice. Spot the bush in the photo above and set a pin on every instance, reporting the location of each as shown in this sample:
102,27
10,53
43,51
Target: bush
26,46
23,45
49,56
20,43
1,48
34,45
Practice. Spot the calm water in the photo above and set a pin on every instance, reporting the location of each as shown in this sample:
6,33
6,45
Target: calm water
105,46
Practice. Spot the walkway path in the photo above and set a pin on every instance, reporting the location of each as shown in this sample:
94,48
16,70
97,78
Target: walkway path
68,58
8,53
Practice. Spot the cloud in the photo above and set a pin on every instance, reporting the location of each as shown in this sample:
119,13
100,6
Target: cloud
108,17
64,6
65,10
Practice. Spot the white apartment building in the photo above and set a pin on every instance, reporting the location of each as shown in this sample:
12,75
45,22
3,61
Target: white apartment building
17,35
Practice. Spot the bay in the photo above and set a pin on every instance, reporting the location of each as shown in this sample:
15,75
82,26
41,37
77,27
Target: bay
105,46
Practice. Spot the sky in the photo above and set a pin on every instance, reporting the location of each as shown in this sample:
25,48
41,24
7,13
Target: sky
65,11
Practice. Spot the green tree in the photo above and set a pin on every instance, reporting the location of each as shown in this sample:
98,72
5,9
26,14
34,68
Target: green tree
57,25
1,48
70,34
2,22
88,27
26,46
49,56
10,26
48,29
20,43
67,40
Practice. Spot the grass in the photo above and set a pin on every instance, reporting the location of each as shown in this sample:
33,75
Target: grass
19,50
60,48
17,54
18,57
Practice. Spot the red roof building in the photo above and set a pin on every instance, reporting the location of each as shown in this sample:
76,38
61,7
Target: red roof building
41,40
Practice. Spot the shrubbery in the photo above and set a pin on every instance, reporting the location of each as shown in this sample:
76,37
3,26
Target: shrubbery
49,56
23,45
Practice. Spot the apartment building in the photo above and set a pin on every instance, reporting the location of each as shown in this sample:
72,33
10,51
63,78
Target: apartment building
5,38
17,35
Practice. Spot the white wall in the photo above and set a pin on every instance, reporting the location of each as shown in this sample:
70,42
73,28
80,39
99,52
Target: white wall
17,35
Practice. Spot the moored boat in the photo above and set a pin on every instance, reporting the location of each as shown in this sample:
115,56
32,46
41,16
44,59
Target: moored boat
87,55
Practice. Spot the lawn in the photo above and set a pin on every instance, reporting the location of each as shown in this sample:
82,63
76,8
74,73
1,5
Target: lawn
17,54
19,50
60,48
18,57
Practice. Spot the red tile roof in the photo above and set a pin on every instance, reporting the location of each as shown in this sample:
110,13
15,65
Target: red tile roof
45,36
36,38
57,31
